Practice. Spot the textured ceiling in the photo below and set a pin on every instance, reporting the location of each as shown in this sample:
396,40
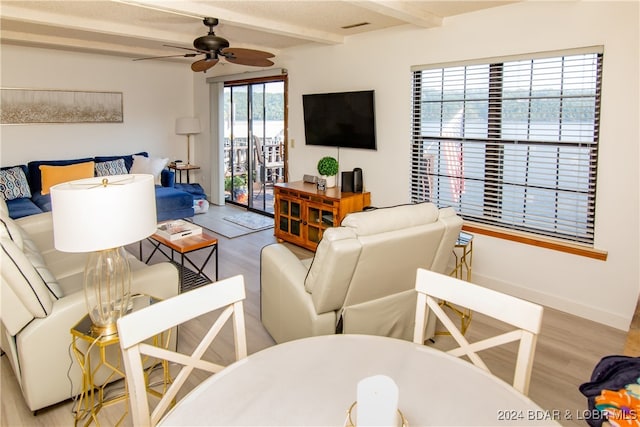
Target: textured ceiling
137,28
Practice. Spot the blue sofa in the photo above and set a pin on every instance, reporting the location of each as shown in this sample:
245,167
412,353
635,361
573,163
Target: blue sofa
171,203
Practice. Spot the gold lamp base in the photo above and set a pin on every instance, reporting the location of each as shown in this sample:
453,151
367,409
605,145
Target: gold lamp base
104,331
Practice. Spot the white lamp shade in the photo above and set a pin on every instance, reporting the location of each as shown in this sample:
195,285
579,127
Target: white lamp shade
187,126
88,216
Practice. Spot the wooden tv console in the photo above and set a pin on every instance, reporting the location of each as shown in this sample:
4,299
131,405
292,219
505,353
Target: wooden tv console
302,213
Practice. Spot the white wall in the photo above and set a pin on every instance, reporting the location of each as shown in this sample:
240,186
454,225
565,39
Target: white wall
605,291
155,93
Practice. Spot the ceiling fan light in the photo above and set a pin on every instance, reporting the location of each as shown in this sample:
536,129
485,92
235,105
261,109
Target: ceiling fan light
210,43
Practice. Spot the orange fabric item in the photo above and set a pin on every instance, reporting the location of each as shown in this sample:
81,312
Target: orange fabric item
52,175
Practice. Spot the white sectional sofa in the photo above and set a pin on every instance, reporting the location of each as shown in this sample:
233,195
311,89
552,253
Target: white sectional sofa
42,298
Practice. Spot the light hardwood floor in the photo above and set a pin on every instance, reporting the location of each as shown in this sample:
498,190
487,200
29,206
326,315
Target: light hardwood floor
568,348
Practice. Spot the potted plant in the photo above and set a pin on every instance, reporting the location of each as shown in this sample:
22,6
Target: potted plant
239,186
328,169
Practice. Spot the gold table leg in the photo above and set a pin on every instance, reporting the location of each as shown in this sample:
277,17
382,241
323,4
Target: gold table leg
92,397
462,271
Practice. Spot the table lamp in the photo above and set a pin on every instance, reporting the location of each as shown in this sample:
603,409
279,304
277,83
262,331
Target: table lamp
188,126
100,215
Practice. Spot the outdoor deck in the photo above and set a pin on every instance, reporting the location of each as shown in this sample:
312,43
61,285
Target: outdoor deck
249,179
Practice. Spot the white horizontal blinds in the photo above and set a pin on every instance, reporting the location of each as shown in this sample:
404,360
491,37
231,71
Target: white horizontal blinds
511,143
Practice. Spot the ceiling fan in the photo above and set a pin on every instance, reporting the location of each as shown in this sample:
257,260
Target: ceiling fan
214,47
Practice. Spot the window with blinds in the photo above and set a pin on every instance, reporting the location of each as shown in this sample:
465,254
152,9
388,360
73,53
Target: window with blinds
511,143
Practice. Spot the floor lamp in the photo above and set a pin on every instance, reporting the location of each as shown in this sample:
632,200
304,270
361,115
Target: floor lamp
188,126
99,216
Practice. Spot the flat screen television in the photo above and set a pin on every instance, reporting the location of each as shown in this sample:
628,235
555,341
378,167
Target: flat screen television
343,119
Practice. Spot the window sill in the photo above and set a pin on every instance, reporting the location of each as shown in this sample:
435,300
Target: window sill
531,239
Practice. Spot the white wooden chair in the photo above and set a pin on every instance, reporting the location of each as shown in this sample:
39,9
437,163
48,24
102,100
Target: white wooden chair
524,315
139,326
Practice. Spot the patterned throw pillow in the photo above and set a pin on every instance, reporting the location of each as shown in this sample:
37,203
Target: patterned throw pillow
13,183
111,167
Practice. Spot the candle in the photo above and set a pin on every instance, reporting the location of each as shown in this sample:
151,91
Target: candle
377,402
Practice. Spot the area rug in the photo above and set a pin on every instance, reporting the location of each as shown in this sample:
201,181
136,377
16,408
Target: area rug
251,220
215,221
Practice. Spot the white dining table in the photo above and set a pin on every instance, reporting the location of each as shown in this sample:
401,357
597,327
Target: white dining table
313,382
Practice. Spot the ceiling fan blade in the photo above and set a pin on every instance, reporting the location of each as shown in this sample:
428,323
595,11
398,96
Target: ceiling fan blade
204,64
239,52
185,48
186,55
254,62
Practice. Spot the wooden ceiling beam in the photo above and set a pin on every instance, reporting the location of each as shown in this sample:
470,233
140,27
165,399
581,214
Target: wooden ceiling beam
405,11
198,9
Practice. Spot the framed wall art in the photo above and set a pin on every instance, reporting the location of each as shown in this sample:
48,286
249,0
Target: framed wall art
27,106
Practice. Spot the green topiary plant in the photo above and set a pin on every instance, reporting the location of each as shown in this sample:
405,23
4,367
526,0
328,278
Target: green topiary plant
328,166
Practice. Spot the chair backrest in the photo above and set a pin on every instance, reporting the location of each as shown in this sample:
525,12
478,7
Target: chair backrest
395,242
365,269
268,152
137,327
525,316
257,145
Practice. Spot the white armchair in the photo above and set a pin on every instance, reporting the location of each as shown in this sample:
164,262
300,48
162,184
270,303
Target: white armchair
42,298
362,277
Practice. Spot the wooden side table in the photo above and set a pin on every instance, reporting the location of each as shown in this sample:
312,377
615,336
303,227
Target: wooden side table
186,168
184,246
98,374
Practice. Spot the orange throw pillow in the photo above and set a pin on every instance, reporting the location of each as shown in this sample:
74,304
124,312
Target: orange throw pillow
52,175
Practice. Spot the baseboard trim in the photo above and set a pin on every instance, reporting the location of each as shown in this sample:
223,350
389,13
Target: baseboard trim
596,314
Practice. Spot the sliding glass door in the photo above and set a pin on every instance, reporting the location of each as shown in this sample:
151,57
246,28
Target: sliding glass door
254,145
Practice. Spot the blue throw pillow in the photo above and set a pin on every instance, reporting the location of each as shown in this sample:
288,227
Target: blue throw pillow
13,183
